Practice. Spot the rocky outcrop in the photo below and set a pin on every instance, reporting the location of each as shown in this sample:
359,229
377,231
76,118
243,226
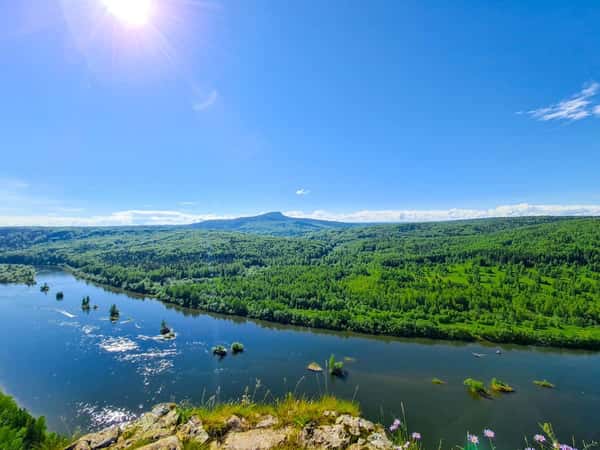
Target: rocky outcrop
163,429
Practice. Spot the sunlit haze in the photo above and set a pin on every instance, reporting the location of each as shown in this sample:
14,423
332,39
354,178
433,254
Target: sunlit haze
132,13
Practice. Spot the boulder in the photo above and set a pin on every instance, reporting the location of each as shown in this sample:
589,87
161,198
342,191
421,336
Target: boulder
356,426
330,437
97,441
193,431
235,423
168,443
261,439
267,422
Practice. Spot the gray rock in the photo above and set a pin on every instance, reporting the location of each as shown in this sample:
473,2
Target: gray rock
162,409
97,441
193,431
262,439
234,423
267,422
356,426
169,443
330,437
379,441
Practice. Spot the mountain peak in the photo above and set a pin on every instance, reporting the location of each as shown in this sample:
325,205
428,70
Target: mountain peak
274,215
272,223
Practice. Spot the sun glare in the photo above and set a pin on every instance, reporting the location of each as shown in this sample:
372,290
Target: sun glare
132,13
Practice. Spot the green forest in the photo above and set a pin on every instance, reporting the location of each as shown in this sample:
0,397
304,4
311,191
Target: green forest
17,273
20,431
521,280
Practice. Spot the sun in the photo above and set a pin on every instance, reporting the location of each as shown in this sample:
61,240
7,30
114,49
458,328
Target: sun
131,13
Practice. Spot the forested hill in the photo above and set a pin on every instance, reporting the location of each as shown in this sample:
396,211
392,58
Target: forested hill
273,223
525,280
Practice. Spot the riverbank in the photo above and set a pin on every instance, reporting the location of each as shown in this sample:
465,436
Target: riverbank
565,337
17,273
504,281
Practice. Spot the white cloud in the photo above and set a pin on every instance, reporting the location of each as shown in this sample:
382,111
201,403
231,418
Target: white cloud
201,104
187,203
577,107
302,191
119,218
168,217
417,215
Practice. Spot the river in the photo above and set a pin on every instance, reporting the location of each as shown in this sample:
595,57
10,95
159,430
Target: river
83,372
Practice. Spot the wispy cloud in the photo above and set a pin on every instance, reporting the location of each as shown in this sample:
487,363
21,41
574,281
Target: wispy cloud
118,218
201,104
577,107
187,203
518,210
302,192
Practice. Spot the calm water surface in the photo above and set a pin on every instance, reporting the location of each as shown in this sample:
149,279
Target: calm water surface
83,372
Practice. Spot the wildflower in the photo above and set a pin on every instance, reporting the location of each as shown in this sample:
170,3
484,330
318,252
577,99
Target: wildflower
395,425
566,447
473,439
406,444
529,448
539,438
489,433
416,436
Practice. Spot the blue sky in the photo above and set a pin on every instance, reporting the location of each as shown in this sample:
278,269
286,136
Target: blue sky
382,110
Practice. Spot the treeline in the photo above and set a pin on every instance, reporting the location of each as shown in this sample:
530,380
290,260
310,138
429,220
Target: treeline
20,431
524,280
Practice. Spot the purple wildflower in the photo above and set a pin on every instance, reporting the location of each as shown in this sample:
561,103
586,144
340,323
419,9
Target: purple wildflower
489,433
395,425
473,439
416,436
539,438
566,447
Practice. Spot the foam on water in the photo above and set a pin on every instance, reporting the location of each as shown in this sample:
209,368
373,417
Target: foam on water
118,345
104,416
65,313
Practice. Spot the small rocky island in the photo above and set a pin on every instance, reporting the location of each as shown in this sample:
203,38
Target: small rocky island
241,427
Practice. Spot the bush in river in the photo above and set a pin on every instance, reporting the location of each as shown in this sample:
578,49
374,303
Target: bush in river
114,313
237,347
219,350
476,387
500,386
336,368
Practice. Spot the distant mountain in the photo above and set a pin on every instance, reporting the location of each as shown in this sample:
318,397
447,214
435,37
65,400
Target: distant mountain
273,223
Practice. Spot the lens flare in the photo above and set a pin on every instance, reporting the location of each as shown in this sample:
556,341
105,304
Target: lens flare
131,13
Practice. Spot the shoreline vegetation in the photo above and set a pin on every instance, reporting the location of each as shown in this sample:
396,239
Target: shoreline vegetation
523,280
17,273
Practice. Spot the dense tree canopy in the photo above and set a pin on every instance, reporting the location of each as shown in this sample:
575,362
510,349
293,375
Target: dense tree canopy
525,280
20,431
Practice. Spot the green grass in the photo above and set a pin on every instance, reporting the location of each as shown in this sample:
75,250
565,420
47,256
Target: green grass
544,384
290,411
437,381
500,386
476,387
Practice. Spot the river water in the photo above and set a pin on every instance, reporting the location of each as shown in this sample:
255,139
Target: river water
83,372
